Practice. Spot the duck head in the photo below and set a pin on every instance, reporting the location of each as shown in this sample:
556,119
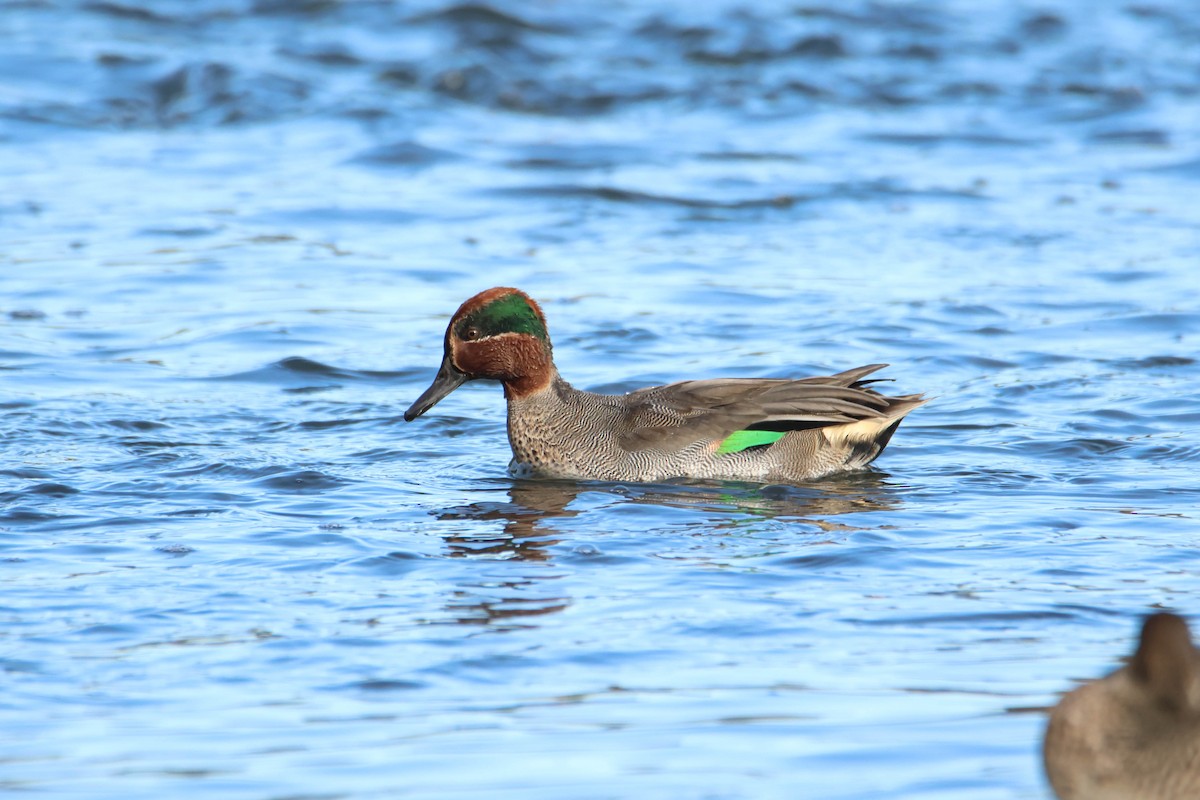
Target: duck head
498,335
1167,665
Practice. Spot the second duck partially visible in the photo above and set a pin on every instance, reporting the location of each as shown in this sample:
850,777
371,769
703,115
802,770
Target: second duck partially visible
1135,734
756,429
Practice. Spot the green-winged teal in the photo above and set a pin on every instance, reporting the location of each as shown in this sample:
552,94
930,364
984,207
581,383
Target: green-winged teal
1134,735
753,429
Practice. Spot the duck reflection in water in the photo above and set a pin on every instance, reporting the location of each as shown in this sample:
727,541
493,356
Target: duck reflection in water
528,533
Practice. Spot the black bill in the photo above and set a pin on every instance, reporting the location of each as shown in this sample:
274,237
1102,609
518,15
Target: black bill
448,379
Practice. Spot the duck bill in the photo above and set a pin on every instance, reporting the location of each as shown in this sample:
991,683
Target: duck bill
448,379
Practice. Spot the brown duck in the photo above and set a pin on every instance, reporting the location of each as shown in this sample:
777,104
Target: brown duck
1134,735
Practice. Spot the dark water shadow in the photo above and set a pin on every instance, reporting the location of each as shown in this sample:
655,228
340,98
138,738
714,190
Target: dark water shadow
529,586
528,517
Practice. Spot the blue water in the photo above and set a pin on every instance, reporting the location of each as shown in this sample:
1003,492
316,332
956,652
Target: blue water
231,235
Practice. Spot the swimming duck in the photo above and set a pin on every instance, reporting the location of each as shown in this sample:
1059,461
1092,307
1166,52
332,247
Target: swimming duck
1134,735
754,429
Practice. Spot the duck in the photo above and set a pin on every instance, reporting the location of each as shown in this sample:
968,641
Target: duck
1134,734
762,430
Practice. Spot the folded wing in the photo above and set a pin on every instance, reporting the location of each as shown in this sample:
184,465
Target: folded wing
678,414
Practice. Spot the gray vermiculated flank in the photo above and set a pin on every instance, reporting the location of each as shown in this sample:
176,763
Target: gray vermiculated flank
672,431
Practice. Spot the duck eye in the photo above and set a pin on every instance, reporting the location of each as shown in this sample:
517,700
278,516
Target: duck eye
471,333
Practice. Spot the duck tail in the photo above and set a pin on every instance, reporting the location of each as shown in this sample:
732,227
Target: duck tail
865,439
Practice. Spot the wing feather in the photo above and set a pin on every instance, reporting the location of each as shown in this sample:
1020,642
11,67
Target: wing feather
678,414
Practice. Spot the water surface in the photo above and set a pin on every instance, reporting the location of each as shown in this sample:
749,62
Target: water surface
232,233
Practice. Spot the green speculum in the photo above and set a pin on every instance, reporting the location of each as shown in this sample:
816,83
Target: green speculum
738,441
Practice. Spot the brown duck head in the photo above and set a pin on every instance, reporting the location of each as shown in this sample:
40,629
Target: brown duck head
499,334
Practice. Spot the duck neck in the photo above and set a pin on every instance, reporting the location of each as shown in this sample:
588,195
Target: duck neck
531,382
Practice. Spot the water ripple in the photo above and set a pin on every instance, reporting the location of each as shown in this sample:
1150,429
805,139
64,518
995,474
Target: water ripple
233,234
